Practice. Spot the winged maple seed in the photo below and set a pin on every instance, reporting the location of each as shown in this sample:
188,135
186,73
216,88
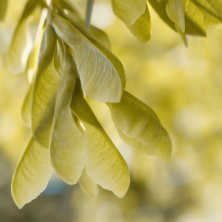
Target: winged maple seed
67,63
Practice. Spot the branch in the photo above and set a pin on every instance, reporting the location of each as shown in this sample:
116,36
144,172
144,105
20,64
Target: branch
89,10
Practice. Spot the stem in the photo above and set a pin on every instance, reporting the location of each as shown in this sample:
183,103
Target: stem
89,10
49,3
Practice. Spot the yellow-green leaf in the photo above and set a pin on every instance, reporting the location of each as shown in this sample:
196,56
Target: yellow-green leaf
3,8
139,126
43,104
67,143
100,36
142,26
27,108
28,9
217,5
97,34
44,91
129,10
104,164
32,174
202,13
67,148
101,73
88,185
21,45
33,60
135,15
21,42
191,28
31,69
175,11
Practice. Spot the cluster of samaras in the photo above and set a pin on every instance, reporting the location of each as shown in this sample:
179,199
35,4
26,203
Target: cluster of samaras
68,65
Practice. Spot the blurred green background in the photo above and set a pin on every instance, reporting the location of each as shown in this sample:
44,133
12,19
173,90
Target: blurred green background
183,86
